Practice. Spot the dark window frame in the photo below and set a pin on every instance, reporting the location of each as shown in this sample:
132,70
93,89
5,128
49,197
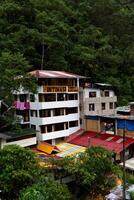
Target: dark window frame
91,107
92,94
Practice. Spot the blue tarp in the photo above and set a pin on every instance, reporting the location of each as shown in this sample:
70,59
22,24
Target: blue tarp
125,124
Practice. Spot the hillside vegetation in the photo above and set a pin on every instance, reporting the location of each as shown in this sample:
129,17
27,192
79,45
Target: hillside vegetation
92,38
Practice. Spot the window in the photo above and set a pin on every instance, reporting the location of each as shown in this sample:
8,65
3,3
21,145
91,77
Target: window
61,97
106,93
33,126
111,106
49,128
45,113
103,106
32,98
46,128
59,127
66,125
72,97
26,116
91,107
43,129
58,111
92,94
15,97
23,97
19,112
47,97
73,124
72,110
33,113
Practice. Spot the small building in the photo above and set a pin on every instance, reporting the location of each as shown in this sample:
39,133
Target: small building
96,100
25,139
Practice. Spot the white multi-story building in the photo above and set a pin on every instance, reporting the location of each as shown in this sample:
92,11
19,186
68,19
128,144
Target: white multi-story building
54,111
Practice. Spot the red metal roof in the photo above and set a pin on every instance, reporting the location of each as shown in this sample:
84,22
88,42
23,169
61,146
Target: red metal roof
74,135
54,74
108,141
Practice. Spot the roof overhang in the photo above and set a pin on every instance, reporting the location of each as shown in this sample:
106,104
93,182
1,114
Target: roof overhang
4,136
54,74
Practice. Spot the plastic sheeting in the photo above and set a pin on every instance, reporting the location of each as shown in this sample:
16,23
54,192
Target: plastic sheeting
125,124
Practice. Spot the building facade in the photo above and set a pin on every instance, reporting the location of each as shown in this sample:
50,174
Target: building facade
96,100
54,111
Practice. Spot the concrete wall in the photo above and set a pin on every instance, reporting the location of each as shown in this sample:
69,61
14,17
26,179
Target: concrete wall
97,101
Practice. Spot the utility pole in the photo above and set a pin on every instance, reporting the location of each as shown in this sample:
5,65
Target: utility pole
43,49
124,170
42,56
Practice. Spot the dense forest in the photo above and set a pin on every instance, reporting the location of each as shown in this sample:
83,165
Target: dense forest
94,38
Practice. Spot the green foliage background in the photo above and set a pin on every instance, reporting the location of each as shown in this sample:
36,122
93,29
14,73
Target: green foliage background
92,38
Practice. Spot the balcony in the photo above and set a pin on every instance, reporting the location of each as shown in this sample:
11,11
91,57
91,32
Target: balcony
54,119
54,104
54,135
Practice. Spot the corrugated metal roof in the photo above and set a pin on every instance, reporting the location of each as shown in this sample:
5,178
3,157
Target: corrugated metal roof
69,149
123,109
54,74
103,140
103,84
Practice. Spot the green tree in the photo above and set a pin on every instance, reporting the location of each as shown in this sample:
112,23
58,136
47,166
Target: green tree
18,169
93,169
13,72
46,190
132,195
14,75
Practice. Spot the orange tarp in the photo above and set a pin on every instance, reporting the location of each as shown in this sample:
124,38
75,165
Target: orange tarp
47,148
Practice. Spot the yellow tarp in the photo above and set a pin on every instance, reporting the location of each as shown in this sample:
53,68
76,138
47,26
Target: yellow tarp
46,148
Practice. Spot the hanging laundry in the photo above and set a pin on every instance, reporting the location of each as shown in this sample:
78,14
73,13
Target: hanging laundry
27,105
17,104
22,105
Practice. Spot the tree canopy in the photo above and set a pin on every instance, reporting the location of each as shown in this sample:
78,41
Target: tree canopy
92,38
93,169
21,177
46,190
18,169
